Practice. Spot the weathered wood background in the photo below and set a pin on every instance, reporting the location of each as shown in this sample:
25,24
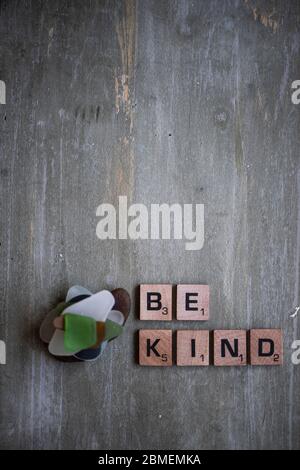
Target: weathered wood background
162,101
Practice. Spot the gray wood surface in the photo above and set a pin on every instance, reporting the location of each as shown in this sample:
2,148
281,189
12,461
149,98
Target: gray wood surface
162,101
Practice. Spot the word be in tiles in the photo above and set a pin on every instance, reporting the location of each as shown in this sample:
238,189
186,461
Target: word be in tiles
192,302
230,347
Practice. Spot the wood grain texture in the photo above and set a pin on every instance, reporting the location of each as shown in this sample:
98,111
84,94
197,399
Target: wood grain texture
192,302
270,351
173,101
230,347
155,348
156,302
192,348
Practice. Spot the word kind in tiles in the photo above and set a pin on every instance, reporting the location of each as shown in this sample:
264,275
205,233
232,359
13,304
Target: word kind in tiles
197,347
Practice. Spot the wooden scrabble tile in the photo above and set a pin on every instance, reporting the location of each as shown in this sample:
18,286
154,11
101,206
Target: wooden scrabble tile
156,302
230,347
192,348
266,347
155,347
192,302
